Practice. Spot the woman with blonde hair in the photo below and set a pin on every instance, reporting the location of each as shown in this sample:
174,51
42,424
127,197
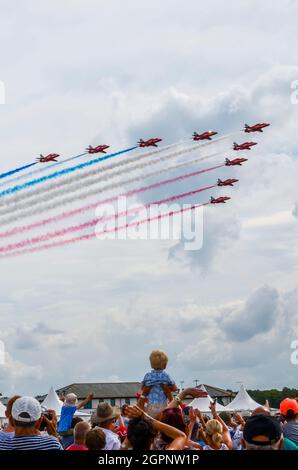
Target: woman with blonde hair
216,433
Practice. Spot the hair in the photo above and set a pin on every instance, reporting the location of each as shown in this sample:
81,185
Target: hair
172,417
95,439
80,431
214,431
225,416
71,399
123,408
75,421
158,359
291,415
140,434
23,424
249,446
9,405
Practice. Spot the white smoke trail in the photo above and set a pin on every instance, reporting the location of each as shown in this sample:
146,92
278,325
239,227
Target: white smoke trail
22,196
47,206
43,194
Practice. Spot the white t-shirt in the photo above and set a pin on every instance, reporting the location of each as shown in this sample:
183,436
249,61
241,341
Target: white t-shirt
222,447
112,440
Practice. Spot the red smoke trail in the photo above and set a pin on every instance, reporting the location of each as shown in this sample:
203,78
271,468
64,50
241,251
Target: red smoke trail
93,235
93,222
80,210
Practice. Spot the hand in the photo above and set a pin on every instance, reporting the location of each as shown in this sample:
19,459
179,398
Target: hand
51,424
134,412
238,418
213,408
193,392
192,415
90,396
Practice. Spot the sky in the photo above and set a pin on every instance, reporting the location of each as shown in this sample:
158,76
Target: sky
87,72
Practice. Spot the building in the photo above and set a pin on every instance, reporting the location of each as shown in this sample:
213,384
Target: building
115,393
120,393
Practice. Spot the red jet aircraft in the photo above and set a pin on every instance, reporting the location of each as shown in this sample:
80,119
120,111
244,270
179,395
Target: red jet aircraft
256,127
228,182
149,143
205,136
49,158
236,161
219,200
98,149
244,146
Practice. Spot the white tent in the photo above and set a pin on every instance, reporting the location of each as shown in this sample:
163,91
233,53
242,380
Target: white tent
2,411
203,403
242,402
52,402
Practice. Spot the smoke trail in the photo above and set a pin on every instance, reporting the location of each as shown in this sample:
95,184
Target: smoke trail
91,173
93,222
65,171
54,190
93,235
43,168
83,195
12,172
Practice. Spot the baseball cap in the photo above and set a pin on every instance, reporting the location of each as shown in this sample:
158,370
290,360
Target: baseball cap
288,404
262,425
26,410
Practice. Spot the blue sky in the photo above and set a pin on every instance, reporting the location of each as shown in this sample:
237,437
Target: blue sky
79,73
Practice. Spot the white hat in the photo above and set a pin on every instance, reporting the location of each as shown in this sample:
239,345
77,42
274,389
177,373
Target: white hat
26,410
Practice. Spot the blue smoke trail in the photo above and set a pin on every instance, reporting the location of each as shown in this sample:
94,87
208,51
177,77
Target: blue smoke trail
12,172
44,168
65,171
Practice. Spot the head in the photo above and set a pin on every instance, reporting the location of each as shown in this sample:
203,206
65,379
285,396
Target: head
226,417
95,439
261,410
80,431
214,432
173,417
140,434
71,399
26,413
289,409
123,409
262,432
158,360
9,407
106,416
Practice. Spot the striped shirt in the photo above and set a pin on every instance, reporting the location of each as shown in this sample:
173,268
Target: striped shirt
35,442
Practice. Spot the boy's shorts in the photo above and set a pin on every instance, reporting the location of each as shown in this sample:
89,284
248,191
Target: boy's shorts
155,409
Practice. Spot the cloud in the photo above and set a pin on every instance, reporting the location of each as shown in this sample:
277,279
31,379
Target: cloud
257,316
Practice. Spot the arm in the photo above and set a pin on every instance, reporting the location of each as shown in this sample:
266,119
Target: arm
84,402
193,392
226,433
178,437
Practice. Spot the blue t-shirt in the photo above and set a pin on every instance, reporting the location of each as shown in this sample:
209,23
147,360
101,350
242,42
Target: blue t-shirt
67,412
154,379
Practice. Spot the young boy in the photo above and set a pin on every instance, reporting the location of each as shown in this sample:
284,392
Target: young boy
70,406
157,385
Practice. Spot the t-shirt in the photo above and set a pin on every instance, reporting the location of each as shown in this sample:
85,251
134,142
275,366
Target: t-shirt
112,440
154,379
34,442
289,445
290,430
222,447
77,447
67,412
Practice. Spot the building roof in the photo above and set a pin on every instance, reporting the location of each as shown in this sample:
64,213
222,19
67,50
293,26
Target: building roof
103,390
218,392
